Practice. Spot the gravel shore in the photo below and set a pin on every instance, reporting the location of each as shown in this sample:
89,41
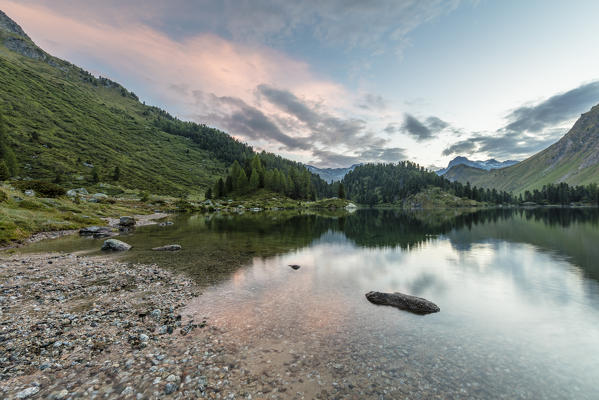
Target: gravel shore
81,327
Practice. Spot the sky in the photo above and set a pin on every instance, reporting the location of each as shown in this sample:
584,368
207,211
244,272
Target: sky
336,82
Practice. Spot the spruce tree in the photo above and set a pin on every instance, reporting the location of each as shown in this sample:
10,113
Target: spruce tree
341,191
4,173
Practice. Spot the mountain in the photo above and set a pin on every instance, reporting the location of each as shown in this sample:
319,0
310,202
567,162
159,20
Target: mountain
574,159
486,165
63,121
331,175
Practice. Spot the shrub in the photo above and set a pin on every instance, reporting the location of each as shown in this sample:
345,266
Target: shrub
3,196
43,188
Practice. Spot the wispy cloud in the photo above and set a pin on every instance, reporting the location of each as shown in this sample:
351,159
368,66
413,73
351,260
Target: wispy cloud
531,128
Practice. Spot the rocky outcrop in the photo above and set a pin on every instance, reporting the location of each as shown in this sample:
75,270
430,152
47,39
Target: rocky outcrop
168,247
115,245
416,305
8,25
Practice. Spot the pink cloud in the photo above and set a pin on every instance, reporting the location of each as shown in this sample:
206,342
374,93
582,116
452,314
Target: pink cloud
204,62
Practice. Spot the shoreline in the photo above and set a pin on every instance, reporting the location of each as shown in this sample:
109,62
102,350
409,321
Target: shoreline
140,220
71,325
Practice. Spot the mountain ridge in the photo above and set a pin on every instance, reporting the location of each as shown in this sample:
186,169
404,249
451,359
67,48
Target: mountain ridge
574,159
480,164
331,175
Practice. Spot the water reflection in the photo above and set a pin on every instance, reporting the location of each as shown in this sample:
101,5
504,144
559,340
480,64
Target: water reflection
517,289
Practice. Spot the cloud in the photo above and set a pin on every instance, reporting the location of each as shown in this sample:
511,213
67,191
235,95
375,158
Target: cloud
416,129
555,110
238,117
372,154
372,102
321,126
505,144
372,25
419,130
530,129
436,124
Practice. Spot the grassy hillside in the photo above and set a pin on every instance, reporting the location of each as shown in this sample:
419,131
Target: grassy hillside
59,117
573,160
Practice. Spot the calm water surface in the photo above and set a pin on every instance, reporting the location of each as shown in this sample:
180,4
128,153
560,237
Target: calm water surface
518,292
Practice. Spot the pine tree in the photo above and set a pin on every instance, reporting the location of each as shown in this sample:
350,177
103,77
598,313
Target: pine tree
116,174
341,191
95,175
4,173
241,182
254,180
209,193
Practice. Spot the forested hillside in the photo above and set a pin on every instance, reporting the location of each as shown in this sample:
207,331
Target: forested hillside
390,183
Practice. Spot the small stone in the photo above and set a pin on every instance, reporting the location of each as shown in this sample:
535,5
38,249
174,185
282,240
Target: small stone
143,337
127,391
156,314
25,393
170,388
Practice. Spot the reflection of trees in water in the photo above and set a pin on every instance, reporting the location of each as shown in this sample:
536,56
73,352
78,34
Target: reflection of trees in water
389,228
216,245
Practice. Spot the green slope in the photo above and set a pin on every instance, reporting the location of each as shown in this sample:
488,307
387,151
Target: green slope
59,117
574,159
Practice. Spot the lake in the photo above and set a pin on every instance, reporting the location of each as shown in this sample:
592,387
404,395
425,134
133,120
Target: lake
518,292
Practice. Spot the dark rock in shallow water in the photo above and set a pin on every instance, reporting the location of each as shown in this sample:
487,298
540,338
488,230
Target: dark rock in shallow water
294,266
414,304
115,245
127,221
96,231
168,247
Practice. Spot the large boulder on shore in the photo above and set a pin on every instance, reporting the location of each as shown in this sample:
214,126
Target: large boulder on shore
168,247
115,245
416,305
127,221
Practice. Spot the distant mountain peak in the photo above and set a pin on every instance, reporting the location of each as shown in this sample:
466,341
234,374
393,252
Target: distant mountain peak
486,165
331,175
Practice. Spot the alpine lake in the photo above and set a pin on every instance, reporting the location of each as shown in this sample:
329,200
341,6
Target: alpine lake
518,291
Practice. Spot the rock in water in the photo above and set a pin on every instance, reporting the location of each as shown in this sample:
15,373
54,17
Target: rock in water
294,266
168,247
115,245
414,304
127,221
96,231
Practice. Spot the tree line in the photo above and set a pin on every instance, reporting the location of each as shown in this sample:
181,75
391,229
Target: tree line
389,183
269,172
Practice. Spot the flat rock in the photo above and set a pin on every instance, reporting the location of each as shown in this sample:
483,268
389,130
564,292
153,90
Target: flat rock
95,231
168,247
115,245
416,305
